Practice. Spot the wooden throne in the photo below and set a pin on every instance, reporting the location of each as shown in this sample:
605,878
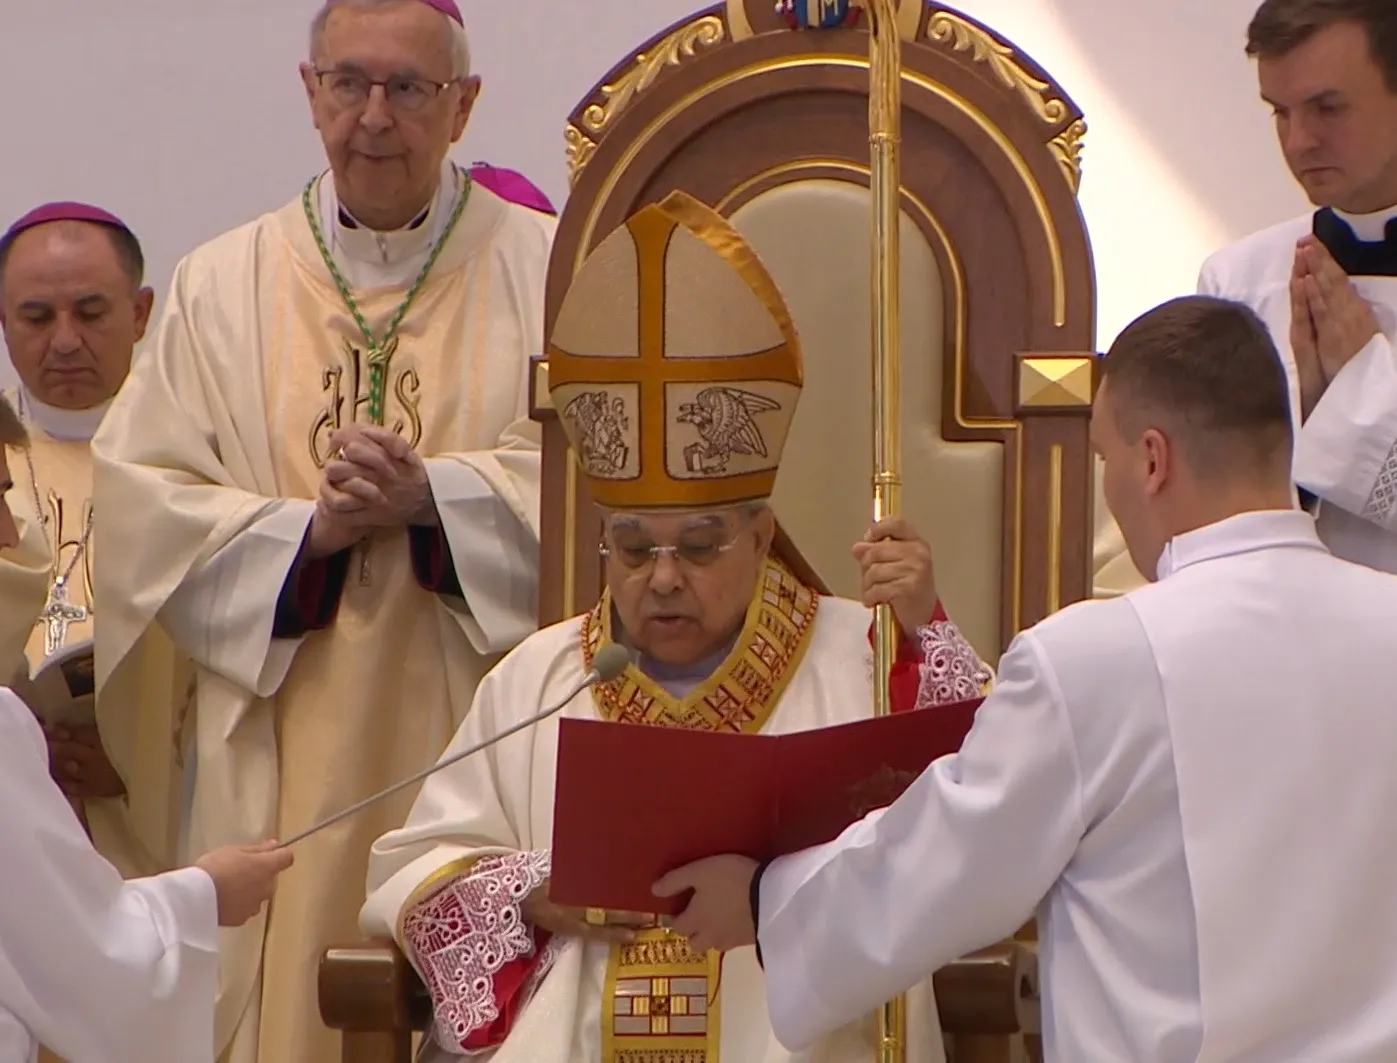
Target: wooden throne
768,123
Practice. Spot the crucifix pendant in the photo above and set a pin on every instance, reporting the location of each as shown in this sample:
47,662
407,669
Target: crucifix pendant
58,613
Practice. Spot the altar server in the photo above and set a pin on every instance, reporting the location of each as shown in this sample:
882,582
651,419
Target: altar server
1326,283
96,967
1190,784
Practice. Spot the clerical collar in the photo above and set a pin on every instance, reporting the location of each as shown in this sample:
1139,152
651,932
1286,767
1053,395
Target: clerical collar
70,426
1244,533
1364,245
356,241
349,221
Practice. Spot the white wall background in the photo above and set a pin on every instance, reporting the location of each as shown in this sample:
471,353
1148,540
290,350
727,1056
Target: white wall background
186,117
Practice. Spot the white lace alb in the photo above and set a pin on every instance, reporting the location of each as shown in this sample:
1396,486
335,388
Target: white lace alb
951,669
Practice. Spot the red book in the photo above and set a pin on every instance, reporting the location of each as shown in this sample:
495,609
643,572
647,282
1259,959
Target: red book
634,802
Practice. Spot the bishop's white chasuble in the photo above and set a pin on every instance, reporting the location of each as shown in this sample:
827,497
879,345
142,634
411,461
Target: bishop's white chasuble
448,885
222,430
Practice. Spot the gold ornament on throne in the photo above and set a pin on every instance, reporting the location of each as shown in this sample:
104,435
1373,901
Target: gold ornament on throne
347,385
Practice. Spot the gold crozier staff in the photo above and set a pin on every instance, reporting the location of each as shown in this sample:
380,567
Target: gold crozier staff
884,134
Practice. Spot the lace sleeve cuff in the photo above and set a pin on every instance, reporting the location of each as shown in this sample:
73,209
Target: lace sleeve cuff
461,935
951,669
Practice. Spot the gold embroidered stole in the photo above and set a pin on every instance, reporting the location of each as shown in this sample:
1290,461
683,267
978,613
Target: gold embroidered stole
660,1003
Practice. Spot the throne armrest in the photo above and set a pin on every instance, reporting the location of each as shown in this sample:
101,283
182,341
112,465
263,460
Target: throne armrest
372,995
992,992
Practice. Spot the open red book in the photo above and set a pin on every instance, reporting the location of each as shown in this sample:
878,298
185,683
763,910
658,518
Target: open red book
634,802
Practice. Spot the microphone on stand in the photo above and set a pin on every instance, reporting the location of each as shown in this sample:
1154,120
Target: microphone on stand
610,662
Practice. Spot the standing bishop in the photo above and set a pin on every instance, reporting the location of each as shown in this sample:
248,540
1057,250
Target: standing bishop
73,307
322,482
676,369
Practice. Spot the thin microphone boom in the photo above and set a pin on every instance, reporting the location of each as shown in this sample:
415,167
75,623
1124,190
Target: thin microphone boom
610,661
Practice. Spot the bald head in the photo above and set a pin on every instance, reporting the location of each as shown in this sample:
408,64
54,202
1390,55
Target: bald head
124,246
72,309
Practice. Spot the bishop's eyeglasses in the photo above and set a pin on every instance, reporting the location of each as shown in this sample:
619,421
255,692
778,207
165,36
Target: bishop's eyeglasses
351,89
695,553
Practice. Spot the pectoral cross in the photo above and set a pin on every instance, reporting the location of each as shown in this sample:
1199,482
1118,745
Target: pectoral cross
58,613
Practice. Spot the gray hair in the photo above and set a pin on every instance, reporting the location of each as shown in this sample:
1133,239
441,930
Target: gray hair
457,42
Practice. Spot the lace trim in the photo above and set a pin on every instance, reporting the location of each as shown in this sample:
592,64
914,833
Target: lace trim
951,669
1383,501
463,934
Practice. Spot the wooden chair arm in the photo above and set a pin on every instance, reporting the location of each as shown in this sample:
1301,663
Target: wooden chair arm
993,992
370,988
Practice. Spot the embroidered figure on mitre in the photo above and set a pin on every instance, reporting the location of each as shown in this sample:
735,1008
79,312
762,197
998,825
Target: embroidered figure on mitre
600,424
724,419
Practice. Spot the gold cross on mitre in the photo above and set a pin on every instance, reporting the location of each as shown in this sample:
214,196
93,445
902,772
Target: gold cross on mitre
674,365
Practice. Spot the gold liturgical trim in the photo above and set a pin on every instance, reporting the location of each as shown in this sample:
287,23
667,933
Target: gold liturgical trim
1056,382
661,1002
743,692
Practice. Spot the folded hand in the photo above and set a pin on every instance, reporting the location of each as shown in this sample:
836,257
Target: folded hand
375,478
1344,322
80,765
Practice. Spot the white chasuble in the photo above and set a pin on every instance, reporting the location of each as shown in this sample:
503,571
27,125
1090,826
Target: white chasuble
222,430
477,840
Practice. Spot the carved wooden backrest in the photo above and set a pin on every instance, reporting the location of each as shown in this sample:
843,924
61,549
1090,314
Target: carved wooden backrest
769,125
